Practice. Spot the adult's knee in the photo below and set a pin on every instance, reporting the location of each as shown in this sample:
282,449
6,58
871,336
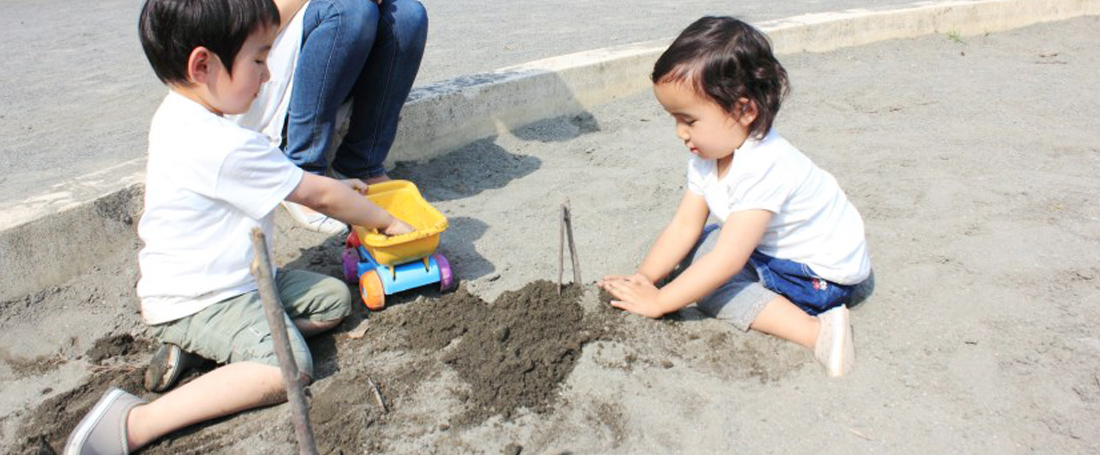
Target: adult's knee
358,21
411,13
411,21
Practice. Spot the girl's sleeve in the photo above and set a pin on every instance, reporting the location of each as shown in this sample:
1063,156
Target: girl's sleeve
764,187
695,175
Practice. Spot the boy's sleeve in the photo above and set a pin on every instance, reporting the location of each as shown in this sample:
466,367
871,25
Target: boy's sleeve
256,176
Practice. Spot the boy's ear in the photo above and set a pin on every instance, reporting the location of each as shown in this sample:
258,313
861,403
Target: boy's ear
748,111
199,65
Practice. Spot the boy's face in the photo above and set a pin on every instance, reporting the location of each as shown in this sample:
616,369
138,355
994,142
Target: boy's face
707,130
234,94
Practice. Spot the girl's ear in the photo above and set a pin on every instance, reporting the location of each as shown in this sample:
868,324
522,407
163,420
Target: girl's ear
200,65
748,111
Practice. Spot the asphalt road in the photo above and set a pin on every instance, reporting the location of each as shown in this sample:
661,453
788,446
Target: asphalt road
76,94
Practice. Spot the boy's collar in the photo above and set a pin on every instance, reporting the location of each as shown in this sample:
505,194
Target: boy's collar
183,98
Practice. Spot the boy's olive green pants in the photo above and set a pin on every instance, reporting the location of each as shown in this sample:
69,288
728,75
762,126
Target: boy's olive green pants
236,329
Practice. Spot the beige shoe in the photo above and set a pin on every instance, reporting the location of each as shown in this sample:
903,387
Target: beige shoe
314,221
835,348
103,429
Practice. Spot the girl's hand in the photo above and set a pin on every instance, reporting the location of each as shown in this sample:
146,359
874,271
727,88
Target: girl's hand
635,293
358,185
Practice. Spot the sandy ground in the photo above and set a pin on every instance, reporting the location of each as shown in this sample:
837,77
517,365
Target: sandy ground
973,161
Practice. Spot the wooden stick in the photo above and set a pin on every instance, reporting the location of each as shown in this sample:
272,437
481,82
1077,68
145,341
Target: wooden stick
273,308
377,394
572,246
561,245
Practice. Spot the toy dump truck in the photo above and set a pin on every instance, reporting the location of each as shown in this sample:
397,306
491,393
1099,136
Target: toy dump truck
385,265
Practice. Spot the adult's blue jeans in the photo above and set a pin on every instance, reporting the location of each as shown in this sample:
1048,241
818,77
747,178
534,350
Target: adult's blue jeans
362,50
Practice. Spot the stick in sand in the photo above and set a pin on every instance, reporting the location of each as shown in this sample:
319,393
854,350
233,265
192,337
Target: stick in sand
572,246
273,308
377,394
561,246
567,231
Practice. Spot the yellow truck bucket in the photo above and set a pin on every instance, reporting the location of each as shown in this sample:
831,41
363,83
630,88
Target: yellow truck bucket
403,200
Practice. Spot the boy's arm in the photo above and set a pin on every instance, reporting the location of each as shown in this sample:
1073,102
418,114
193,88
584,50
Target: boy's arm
736,242
677,239
339,200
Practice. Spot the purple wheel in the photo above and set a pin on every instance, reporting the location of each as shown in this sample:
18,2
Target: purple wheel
350,261
447,281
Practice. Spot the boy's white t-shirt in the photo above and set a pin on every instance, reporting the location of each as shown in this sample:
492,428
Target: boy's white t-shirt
267,114
813,222
208,183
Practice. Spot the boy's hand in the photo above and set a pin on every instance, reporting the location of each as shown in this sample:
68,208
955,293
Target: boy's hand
397,227
358,185
635,293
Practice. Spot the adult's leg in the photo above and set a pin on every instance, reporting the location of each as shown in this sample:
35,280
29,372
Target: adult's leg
337,37
382,88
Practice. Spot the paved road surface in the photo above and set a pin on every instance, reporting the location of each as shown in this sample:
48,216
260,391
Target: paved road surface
76,94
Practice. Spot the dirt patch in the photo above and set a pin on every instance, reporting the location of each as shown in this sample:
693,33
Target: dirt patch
113,361
512,354
51,421
24,367
518,355
118,346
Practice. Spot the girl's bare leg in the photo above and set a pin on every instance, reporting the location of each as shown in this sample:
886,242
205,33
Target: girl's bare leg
783,319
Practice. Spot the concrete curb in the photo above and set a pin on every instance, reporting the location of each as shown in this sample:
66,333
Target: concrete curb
47,239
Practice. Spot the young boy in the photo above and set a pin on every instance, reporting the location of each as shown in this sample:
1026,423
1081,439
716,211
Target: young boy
209,182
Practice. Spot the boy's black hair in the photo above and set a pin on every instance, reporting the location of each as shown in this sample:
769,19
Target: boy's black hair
726,59
171,29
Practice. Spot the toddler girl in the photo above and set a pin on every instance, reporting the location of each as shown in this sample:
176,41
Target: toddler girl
790,250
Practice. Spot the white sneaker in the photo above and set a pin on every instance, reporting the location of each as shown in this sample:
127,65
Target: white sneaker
314,221
835,348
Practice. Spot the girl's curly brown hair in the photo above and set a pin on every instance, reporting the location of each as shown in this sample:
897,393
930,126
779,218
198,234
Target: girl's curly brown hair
726,59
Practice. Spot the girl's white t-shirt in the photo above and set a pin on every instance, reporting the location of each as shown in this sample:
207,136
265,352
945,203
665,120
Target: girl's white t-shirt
267,115
208,183
813,222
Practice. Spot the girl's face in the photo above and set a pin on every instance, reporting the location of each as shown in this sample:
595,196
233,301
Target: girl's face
707,130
